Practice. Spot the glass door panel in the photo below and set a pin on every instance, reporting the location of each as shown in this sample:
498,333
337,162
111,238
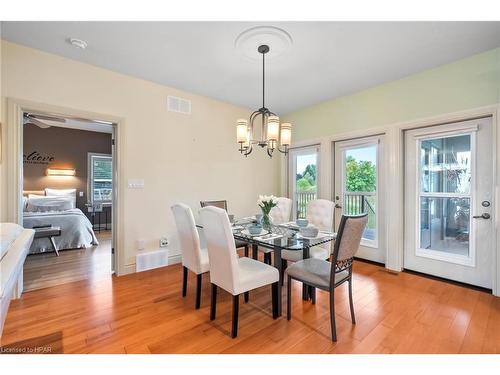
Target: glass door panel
303,184
445,195
360,191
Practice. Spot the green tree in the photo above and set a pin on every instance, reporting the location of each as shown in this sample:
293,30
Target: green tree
361,175
310,173
306,181
305,185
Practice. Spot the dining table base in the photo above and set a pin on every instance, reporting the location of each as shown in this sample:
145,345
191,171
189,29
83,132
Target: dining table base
308,292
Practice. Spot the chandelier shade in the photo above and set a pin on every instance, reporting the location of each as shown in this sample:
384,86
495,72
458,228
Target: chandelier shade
241,130
273,128
286,134
273,136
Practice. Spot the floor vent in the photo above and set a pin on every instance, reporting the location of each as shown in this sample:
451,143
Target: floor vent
179,105
151,259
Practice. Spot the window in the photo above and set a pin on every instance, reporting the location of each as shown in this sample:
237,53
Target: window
445,194
100,178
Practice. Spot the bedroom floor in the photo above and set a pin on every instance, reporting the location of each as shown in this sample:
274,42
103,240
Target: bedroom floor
45,270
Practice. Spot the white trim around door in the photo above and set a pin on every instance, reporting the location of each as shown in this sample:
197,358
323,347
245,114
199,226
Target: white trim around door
15,110
353,159
448,185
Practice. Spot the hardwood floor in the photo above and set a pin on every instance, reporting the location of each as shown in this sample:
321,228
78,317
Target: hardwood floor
145,313
45,270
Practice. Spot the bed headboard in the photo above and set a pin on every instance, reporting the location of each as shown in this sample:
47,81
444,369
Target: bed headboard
37,192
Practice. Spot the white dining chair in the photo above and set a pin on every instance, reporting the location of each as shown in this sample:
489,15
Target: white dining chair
223,204
234,274
194,258
320,213
279,215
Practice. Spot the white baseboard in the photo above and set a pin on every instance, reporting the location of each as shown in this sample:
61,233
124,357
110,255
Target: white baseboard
130,268
174,259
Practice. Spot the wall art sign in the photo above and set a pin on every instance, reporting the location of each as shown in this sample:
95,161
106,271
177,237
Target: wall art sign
35,157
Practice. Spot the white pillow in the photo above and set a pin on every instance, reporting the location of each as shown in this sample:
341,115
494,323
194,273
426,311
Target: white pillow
37,203
69,193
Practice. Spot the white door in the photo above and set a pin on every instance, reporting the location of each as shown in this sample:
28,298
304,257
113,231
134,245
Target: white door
448,200
358,189
303,167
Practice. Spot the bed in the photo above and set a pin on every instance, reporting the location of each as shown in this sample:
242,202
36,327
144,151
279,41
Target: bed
57,208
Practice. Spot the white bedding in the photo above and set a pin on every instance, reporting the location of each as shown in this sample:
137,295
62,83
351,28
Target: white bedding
76,230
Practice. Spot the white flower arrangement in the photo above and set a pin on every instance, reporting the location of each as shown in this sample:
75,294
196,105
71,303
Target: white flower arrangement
266,200
266,203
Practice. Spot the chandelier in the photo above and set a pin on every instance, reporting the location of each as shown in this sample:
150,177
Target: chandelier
273,136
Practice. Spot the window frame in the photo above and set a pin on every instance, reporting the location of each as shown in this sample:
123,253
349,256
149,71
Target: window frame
90,177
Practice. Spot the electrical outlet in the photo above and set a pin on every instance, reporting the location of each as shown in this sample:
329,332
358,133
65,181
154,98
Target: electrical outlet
163,242
141,244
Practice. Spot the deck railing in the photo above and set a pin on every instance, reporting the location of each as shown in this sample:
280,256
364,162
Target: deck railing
302,198
359,203
355,203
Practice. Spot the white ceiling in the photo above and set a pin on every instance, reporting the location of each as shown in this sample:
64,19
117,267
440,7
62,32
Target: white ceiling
326,60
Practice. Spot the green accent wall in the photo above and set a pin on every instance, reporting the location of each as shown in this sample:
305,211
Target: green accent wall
464,84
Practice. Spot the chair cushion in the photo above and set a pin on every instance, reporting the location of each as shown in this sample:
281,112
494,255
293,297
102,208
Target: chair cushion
315,271
239,243
253,274
314,252
204,265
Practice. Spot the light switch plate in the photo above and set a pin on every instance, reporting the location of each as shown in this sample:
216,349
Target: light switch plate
80,194
136,183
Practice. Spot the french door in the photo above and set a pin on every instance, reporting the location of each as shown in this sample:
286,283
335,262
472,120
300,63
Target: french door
448,200
358,189
303,168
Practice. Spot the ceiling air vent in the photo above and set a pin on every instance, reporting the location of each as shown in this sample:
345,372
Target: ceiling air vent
179,105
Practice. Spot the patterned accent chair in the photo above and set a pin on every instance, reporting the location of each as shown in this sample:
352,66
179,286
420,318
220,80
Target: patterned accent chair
318,273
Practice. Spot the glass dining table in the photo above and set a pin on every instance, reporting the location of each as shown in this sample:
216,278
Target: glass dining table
279,238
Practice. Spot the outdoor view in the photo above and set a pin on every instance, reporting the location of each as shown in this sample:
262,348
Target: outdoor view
306,183
361,185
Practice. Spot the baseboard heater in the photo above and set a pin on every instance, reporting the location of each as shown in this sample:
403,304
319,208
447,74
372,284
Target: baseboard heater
150,260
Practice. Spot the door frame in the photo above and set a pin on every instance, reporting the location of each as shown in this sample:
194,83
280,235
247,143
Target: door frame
14,148
359,142
398,162
394,160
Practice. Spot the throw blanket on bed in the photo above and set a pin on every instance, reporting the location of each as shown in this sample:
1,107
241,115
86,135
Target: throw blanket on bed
76,230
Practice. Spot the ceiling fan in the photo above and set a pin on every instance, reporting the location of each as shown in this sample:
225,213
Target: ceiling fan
37,119
31,118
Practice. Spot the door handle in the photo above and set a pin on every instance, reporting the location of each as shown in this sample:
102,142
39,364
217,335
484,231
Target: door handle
482,216
337,205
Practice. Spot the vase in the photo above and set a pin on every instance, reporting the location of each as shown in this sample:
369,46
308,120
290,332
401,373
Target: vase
266,221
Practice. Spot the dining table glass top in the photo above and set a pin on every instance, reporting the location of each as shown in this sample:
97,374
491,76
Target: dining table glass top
283,236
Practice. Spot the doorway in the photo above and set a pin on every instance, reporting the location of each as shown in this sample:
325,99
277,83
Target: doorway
358,189
448,199
303,164
68,190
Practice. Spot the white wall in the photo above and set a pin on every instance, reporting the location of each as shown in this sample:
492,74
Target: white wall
181,158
